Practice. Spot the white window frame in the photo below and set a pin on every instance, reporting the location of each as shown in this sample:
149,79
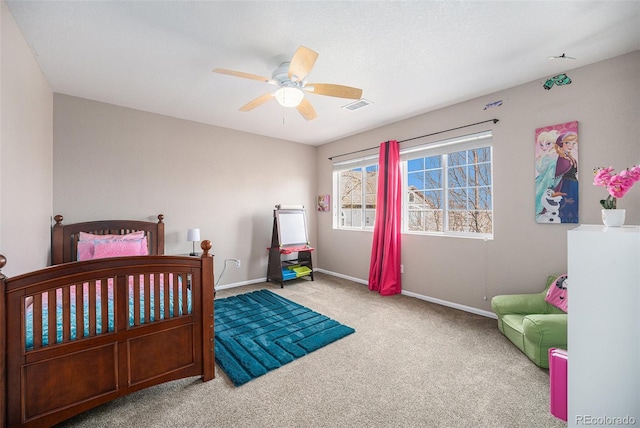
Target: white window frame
347,165
443,148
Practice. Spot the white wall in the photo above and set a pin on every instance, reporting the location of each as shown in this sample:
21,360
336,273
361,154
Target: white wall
113,162
604,98
26,144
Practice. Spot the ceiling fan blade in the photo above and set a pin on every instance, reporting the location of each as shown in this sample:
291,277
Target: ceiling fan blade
334,90
306,110
302,63
241,74
255,103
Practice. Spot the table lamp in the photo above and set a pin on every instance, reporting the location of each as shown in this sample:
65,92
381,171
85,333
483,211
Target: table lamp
193,235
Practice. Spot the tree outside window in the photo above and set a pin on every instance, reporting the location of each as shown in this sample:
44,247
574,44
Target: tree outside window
458,201
357,197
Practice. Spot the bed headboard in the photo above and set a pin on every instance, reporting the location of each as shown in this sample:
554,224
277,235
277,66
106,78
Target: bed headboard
64,238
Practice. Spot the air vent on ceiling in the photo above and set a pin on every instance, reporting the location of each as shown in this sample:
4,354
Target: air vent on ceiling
357,105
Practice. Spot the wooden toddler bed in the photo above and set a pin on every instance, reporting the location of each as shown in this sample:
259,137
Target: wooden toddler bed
81,333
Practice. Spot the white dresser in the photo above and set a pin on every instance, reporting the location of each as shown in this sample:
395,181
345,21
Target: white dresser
604,326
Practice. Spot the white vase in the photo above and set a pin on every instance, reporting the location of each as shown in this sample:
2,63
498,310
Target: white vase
613,218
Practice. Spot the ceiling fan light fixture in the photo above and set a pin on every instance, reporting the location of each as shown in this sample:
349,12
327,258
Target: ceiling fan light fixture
289,96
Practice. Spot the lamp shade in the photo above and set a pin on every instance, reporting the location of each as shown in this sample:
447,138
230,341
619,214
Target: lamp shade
289,96
193,235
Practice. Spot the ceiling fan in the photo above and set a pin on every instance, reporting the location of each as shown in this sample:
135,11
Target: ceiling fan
290,79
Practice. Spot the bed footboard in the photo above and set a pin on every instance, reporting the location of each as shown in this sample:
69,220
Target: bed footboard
80,334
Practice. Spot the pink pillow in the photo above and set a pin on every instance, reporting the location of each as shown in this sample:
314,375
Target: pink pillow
558,294
85,250
136,247
84,236
144,248
117,248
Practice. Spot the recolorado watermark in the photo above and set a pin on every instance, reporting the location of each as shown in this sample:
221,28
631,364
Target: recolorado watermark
605,420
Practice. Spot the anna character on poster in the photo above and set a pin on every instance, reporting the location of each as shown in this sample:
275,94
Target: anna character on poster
567,177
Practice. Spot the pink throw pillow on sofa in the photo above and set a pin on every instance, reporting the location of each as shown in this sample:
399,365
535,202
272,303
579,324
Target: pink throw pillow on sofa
557,295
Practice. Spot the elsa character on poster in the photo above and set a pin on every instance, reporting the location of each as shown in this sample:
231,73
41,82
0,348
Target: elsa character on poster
546,158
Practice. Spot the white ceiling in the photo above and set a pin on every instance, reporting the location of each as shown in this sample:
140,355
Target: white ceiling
409,57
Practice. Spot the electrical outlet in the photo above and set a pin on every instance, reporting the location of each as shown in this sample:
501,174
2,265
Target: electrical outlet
237,263
401,268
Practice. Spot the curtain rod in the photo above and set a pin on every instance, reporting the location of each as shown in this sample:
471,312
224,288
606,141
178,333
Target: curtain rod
421,136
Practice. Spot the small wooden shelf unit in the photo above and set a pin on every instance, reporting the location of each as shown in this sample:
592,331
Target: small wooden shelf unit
281,267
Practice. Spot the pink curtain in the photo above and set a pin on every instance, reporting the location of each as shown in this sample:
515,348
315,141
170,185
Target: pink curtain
384,270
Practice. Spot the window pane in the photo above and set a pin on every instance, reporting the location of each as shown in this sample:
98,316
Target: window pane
425,220
416,199
434,220
350,189
479,155
356,217
372,180
370,200
415,164
457,158
457,221
371,195
432,162
416,221
416,179
480,222
433,179
350,185
433,199
480,175
458,199
370,216
480,198
457,176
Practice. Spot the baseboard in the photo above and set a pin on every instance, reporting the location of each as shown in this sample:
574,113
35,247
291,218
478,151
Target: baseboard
240,284
465,308
339,275
420,296
365,282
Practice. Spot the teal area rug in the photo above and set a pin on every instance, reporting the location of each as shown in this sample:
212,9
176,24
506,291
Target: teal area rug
260,331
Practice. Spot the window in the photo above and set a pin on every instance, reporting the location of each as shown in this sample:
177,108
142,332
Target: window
355,183
449,187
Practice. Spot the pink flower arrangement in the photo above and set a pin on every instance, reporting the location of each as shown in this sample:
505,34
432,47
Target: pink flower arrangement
617,184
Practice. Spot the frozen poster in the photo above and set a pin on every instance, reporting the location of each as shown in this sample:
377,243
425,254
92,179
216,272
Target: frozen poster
556,165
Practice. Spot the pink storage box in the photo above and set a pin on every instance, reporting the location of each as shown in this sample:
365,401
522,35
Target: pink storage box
558,360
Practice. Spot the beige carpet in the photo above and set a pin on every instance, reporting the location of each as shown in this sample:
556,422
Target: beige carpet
410,363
